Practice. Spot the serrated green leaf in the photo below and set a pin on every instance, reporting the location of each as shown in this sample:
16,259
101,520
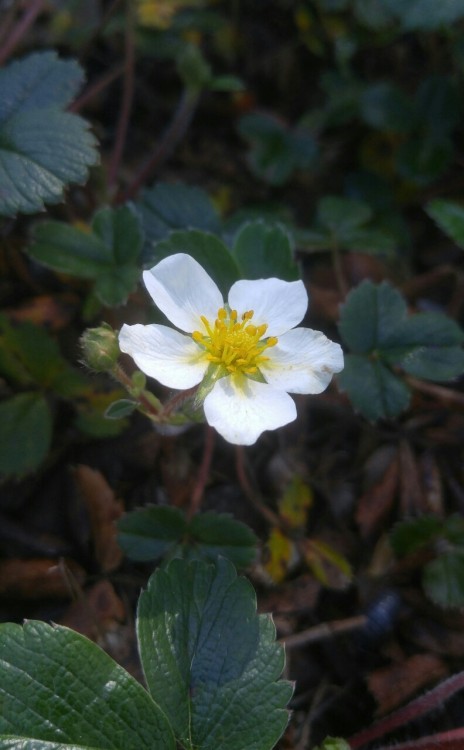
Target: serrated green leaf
120,232
370,315
218,534
58,689
373,389
25,433
38,81
210,661
154,532
263,251
410,535
341,215
450,218
109,254
207,249
443,580
42,151
164,208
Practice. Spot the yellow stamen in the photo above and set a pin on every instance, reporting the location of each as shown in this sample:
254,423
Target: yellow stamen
237,346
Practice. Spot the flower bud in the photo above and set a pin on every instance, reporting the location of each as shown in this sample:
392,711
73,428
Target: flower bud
100,348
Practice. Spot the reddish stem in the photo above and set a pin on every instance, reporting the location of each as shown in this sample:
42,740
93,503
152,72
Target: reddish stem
169,140
202,478
127,97
453,739
414,710
93,90
248,490
22,27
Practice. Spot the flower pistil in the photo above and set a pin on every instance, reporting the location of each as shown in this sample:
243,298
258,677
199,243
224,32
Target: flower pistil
235,345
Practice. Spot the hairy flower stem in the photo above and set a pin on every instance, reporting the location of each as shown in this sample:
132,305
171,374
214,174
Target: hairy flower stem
21,29
127,96
123,378
414,710
167,144
203,472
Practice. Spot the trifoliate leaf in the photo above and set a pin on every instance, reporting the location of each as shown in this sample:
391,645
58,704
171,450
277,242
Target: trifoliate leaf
154,532
42,148
109,254
210,661
60,690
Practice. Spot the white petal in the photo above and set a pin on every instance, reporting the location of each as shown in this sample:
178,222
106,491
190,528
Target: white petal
165,354
183,291
241,409
280,304
303,361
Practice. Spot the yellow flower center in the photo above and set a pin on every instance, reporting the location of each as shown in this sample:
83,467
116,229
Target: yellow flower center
236,345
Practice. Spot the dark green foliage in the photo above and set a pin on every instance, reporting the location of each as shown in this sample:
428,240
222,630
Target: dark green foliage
152,533
376,328
109,254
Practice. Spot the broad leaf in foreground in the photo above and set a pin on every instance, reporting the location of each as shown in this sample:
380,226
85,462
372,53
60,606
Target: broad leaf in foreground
42,148
58,689
210,661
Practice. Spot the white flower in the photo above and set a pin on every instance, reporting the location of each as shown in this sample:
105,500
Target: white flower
246,354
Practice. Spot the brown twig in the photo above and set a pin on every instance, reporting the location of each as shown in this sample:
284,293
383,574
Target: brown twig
168,142
127,96
21,28
253,496
203,472
323,631
414,710
439,391
453,739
